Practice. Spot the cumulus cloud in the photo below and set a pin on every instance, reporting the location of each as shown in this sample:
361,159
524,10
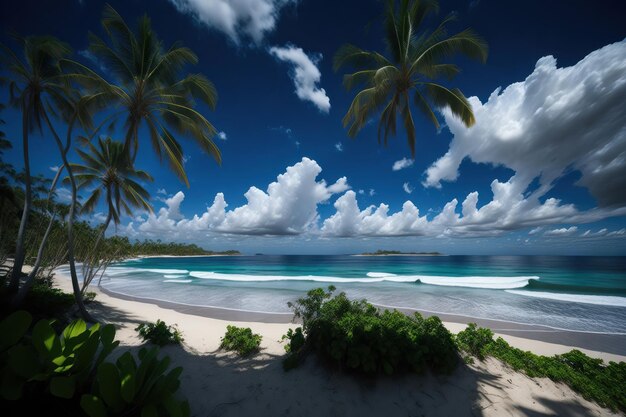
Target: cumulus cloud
305,74
54,168
222,136
407,188
339,146
402,163
247,19
287,207
162,191
556,120
507,211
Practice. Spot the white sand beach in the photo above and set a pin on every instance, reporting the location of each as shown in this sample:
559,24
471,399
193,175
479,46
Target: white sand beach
217,383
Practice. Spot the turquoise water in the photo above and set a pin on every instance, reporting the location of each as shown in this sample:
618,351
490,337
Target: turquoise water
572,293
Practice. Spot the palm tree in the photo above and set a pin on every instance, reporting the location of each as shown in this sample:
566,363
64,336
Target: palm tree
416,58
149,89
34,84
108,168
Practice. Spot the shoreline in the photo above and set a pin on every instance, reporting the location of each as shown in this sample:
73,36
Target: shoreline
539,339
555,341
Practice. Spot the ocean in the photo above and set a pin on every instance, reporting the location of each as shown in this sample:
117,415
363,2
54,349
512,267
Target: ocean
562,292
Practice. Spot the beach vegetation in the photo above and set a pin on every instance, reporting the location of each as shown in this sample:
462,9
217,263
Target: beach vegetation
160,333
405,77
61,372
357,336
591,377
131,387
241,340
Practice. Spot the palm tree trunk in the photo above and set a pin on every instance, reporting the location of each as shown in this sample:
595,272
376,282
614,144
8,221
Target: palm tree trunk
23,291
42,246
95,247
78,296
16,273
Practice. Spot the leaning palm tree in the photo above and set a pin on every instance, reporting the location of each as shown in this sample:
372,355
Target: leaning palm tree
108,169
34,83
148,89
415,60
111,173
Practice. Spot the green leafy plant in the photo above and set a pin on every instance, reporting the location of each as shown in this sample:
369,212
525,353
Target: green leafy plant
160,333
241,340
62,363
474,340
141,388
592,378
357,336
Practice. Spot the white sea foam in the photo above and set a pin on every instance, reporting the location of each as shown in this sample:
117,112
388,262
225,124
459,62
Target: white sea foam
496,283
470,282
604,300
175,276
181,281
315,278
380,274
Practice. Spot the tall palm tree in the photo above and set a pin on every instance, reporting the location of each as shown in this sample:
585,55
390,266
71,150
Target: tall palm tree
34,84
108,168
149,89
415,60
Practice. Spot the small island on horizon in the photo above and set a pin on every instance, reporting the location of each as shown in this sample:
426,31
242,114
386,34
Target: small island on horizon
381,252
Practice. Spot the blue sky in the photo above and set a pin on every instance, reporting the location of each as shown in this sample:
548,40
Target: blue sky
547,157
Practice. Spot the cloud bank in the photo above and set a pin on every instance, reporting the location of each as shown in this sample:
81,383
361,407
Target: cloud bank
556,120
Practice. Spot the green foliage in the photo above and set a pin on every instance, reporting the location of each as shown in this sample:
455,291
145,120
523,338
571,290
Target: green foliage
356,335
160,333
60,363
129,387
89,296
241,340
44,301
45,371
295,338
594,380
473,340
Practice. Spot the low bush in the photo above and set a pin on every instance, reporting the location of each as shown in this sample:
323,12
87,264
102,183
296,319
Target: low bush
45,372
594,380
241,340
357,336
89,297
159,333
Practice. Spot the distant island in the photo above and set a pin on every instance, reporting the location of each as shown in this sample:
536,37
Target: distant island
381,252
149,248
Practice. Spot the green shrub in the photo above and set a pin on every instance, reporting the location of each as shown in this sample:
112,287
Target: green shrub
594,380
89,296
60,363
241,340
357,336
160,333
42,371
136,388
474,340
295,340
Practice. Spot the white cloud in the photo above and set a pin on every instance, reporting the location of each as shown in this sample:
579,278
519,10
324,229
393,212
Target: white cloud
599,233
339,146
162,191
407,188
562,232
305,74
402,163
86,53
555,120
222,135
186,158
507,211
289,206
63,195
54,168
247,19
